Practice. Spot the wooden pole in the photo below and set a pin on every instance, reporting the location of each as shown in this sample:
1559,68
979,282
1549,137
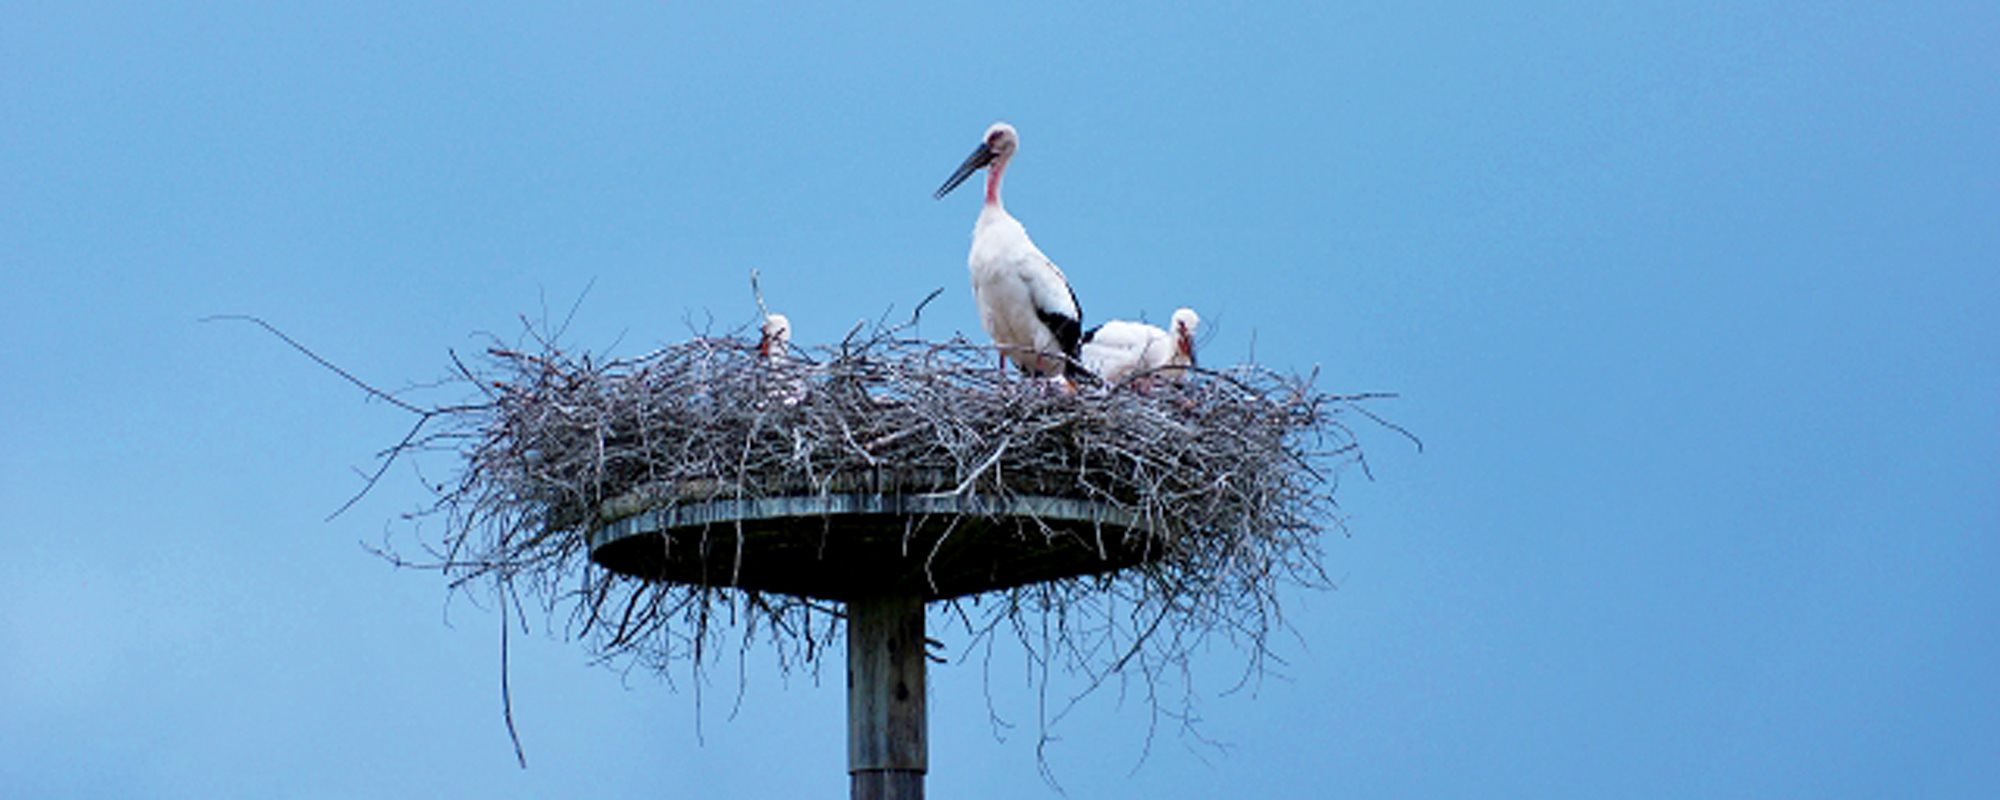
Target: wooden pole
886,726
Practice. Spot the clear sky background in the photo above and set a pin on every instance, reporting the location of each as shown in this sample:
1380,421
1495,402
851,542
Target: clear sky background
1693,305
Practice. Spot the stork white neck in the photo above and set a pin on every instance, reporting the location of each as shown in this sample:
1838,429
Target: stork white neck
993,181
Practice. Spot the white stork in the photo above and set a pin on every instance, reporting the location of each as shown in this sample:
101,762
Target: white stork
1120,351
777,336
772,349
1024,301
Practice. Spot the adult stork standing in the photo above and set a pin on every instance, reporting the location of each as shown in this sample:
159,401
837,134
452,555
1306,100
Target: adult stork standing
1025,303
1119,351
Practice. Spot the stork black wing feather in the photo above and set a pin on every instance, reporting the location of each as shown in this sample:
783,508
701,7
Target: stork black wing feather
1069,333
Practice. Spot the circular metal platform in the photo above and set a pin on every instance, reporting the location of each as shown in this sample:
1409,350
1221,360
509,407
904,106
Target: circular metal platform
847,545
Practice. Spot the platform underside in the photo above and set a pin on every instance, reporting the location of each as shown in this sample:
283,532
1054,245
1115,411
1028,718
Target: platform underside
841,546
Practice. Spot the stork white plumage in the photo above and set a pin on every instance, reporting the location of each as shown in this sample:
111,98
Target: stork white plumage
1120,350
1025,302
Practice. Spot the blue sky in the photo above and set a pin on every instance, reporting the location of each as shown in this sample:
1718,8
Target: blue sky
1693,306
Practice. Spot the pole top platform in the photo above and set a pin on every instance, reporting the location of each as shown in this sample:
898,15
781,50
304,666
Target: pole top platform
839,546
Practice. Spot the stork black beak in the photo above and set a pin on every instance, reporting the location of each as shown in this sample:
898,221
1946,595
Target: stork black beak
979,158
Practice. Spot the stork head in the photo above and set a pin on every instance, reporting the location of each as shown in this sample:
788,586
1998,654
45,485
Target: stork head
995,149
1185,322
777,334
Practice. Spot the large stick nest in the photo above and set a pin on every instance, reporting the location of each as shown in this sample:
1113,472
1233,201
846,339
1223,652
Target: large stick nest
1232,473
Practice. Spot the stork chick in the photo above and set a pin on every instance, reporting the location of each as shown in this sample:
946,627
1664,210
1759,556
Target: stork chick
777,336
1120,351
773,350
